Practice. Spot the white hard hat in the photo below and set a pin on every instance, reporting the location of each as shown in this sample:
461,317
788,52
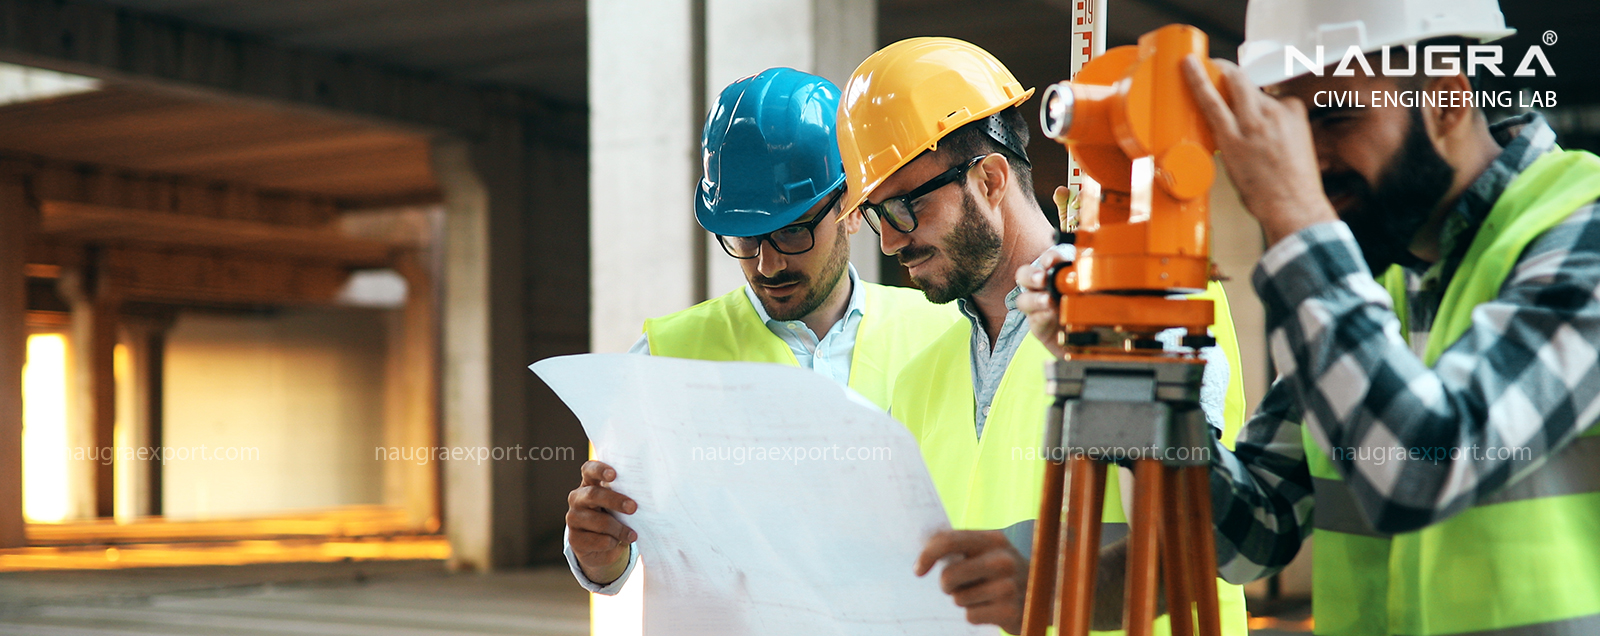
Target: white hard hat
1272,25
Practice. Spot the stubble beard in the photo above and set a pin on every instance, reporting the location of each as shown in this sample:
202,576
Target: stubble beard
973,249
815,294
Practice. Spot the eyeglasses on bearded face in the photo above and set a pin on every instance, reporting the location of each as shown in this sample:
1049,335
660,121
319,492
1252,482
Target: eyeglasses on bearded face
791,240
899,212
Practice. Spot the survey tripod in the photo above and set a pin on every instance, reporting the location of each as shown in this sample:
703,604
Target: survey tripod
1143,235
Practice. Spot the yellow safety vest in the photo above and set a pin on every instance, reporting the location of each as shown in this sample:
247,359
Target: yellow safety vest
1524,562
896,324
994,482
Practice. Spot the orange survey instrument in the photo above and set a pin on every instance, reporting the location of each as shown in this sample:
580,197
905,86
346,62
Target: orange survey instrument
1143,239
1130,122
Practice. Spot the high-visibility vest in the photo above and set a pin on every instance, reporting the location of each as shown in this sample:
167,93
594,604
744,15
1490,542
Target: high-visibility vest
993,482
896,324
1523,562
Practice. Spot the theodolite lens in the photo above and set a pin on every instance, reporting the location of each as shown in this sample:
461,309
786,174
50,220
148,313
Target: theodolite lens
1055,112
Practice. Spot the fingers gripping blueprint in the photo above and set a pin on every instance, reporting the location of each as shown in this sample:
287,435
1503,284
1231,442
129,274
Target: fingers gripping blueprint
771,500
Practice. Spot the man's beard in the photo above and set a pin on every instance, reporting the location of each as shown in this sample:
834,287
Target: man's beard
815,294
974,251
1385,220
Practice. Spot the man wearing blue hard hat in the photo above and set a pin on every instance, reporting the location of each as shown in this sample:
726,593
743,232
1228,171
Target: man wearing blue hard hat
771,191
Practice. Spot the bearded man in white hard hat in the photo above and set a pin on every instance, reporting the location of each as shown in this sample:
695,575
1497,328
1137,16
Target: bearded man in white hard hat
1430,289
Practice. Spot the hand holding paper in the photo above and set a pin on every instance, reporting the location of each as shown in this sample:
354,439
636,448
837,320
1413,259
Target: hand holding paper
770,499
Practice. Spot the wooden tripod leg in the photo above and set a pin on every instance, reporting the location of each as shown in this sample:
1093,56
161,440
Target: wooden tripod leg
1196,484
1149,479
1180,591
1046,563
1080,547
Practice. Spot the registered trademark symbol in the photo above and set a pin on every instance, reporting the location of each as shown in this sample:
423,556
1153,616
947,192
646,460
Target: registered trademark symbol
1549,38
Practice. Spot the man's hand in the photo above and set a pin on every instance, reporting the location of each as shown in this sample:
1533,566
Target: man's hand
598,540
989,577
1044,316
1266,147
1034,301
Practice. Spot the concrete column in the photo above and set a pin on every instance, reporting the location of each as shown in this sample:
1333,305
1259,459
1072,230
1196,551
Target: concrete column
468,514
138,416
647,254
411,397
102,346
17,217
512,238
825,37
155,369
92,407
643,135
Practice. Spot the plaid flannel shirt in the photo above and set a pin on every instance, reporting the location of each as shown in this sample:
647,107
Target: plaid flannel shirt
1418,444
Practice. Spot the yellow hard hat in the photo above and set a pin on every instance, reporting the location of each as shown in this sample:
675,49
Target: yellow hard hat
906,97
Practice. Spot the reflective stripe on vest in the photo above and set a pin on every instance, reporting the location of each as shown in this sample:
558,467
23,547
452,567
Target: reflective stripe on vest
896,324
994,482
1524,561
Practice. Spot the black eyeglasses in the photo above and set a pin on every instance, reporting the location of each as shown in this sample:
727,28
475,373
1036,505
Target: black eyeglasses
789,239
897,211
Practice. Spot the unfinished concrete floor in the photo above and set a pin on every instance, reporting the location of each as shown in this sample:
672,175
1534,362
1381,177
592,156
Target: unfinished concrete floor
376,598
401,598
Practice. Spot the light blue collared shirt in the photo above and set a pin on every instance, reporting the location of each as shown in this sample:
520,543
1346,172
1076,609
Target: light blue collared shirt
829,355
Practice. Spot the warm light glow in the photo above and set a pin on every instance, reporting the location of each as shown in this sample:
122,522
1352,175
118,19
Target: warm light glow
44,429
352,533
125,476
121,364
1307,625
190,553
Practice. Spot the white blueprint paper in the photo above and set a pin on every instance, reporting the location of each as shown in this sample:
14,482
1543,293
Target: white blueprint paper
772,501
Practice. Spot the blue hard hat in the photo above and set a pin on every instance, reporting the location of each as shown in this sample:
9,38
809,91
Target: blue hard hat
769,152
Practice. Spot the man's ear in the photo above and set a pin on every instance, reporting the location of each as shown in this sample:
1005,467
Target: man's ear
1442,121
851,220
993,177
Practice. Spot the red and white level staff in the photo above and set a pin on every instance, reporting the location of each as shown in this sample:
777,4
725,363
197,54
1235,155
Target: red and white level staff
1088,41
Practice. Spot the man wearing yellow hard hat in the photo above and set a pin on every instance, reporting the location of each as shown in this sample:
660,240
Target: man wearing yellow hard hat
934,148
1430,289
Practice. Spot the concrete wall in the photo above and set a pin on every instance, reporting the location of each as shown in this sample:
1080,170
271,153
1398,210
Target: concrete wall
303,388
